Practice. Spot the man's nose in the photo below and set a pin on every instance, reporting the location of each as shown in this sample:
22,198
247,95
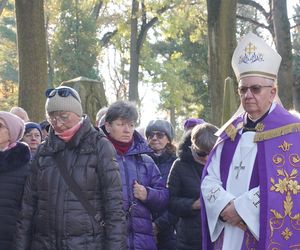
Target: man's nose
248,93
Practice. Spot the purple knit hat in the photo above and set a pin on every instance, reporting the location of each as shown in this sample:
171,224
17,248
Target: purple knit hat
14,124
192,122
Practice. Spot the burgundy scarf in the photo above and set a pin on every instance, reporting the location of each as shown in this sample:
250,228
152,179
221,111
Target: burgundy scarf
121,147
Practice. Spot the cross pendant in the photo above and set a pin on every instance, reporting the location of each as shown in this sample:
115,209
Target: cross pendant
239,168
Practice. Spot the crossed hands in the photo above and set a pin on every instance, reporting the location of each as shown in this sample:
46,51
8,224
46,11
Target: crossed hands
230,215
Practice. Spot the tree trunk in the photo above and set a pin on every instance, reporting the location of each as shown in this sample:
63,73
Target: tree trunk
134,54
49,56
284,48
32,57
222,42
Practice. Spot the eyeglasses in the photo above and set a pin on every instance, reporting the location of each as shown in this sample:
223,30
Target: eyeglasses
62,118
158,134
255,89
62,92
2,126
201,153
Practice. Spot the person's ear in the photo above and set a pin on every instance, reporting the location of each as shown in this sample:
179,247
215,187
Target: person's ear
107,127
273,93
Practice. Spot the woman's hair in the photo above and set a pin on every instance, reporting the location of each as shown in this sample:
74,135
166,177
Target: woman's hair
123,110
203,136
170,148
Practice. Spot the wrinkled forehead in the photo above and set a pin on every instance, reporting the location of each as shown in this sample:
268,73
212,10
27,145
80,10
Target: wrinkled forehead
256,80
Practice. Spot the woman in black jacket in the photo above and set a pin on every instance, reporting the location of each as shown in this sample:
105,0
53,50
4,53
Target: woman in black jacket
160,135
184,184
14,158
52,216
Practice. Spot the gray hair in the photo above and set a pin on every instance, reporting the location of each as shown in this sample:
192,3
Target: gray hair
121,110
203,136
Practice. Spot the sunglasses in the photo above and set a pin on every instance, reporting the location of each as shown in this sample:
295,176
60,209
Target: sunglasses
62,92
158,134
199,153
255,89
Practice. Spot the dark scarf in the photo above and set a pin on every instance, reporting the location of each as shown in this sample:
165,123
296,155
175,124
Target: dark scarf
121,147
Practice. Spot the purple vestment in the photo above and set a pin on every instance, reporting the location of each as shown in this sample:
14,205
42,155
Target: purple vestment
277,171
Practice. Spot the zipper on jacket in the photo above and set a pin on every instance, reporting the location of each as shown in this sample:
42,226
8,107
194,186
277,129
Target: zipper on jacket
130,204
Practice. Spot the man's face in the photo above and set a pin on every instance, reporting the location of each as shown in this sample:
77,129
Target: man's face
121,130
256,94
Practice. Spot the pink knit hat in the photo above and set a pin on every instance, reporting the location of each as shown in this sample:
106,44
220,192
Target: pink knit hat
14,124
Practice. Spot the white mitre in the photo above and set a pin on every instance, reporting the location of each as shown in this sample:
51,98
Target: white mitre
253,57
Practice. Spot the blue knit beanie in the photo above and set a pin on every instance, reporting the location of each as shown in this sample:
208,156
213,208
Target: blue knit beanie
32,125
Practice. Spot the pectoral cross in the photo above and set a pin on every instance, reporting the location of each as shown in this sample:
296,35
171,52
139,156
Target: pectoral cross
239,168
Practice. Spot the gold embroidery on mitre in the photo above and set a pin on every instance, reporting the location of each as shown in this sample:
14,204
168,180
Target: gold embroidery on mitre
250,55
259,127
285,146
269,134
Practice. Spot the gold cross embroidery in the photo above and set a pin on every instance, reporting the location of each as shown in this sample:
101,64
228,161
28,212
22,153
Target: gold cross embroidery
250,48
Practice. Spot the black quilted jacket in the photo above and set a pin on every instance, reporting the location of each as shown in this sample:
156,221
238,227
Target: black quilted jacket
13,172
51,215
184,187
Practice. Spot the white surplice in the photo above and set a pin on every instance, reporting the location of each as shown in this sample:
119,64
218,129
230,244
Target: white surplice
237,188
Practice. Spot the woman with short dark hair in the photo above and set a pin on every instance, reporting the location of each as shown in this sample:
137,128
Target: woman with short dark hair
144,191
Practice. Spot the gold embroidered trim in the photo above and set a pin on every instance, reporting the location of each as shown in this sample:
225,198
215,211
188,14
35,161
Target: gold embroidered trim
261,136
231,130
284,221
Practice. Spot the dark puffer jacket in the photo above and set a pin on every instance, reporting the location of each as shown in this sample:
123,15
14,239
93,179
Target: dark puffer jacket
13,171
164,220
51,215
136,165
184,188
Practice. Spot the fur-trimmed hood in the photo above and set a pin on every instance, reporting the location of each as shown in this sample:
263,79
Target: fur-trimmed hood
184,151
14,158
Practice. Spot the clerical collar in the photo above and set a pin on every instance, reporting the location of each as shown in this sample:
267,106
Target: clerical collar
251,125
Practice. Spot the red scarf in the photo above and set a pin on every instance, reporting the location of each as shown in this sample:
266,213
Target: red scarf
121,147
68,134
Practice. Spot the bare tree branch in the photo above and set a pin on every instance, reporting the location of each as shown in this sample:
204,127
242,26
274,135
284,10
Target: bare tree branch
257,6
107,36
250,20
147,25
97,8
294,26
